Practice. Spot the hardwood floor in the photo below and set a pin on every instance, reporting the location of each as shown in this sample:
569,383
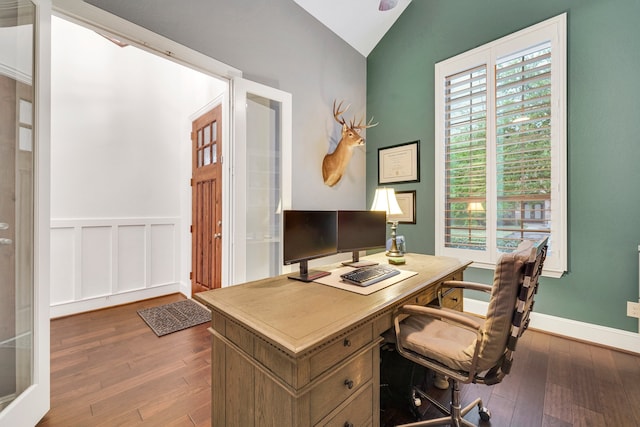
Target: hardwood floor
109,369
554,382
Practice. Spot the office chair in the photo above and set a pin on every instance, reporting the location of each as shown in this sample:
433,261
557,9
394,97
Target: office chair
468,349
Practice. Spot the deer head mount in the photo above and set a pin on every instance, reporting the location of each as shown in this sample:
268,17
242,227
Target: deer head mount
335,163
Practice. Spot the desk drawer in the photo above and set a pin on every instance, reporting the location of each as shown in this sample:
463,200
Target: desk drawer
340,385
357,413
340,350
453,299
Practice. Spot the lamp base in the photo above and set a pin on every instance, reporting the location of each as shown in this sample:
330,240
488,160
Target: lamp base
395,253
393,250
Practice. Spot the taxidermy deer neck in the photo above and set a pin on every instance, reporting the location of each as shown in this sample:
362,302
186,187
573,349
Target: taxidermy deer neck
335,163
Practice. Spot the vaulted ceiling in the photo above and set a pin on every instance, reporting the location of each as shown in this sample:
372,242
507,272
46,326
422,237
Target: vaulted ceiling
358,22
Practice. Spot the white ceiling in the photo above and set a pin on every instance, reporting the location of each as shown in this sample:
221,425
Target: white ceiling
358,22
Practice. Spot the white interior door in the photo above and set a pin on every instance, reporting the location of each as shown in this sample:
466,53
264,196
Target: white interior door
261,179
24,211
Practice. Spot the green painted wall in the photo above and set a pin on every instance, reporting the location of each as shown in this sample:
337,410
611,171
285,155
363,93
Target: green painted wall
603,134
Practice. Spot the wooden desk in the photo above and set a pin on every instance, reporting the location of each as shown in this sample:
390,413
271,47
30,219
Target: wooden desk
288,353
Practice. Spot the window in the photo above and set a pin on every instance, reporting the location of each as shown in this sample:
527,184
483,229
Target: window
501,147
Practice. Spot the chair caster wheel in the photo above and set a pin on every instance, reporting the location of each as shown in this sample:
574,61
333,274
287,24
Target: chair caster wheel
485,415
416,399
441,382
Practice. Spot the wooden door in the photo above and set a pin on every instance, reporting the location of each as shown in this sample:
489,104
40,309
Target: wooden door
206,237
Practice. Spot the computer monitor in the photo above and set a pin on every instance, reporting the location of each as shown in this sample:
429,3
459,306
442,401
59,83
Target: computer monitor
361,230
308,235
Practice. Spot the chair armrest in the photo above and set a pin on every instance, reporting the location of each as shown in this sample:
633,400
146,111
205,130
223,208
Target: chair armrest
418,310
466,285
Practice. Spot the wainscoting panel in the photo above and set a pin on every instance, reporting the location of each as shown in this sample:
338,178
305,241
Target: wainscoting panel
97,263
132,253
63,264
163,259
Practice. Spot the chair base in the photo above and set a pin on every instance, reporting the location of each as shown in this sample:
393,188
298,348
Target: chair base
453,415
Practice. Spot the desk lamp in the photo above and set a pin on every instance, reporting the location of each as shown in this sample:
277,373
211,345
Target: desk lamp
385,200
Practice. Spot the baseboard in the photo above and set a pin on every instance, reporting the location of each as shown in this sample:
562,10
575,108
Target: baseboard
185,289
602,335
96,303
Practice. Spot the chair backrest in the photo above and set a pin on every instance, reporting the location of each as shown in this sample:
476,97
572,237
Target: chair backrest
514,284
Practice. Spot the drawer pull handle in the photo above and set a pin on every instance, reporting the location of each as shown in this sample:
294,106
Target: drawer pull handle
348,424
348,383
454,299
347,342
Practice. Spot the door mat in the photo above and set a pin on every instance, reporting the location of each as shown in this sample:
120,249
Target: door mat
169,318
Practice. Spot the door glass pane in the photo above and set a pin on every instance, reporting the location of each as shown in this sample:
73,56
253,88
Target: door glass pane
207,135
263,186
16,199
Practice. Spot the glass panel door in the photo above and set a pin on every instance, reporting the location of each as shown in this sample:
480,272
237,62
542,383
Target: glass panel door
262,182
24,331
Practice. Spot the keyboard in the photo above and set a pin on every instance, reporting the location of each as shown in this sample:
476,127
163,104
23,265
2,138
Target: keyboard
366,276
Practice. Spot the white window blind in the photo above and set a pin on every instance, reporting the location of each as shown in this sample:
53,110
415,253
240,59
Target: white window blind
466,158
501,147
523,147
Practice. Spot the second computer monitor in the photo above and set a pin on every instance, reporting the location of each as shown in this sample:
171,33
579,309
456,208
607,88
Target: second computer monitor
361,230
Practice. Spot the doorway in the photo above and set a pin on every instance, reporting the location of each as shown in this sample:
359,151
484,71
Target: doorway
121,194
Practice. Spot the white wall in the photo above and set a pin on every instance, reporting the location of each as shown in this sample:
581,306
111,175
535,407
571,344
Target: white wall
120,169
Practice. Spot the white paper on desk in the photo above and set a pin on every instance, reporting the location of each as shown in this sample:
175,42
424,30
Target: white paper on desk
334,280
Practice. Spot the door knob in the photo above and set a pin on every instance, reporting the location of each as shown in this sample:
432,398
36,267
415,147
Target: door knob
217,235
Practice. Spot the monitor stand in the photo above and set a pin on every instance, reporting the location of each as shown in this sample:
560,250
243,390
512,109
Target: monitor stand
356,263
307,275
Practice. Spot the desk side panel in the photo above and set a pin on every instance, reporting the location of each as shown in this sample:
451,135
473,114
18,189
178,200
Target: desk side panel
274,406
218,382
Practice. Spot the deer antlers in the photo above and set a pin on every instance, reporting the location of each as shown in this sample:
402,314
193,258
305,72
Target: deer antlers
357,127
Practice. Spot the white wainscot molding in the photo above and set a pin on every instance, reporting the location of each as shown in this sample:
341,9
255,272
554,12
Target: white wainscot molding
97,263
588,332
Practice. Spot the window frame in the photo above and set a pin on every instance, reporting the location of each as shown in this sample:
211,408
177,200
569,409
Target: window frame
551,31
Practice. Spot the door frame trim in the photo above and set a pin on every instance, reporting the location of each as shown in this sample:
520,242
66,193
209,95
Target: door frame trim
98,19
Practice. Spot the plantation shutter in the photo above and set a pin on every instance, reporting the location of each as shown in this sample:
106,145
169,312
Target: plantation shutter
466,159
523,146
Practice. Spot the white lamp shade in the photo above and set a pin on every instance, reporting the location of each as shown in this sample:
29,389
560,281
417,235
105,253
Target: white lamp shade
385,200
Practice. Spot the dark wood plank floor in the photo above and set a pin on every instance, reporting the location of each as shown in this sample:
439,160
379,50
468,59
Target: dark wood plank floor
109,369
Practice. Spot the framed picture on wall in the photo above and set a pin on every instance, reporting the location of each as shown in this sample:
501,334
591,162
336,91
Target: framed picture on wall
407,202
399,163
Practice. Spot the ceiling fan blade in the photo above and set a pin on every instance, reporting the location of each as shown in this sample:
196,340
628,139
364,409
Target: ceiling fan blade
387,4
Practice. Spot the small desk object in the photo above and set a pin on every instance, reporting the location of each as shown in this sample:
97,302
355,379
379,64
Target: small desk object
292,354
